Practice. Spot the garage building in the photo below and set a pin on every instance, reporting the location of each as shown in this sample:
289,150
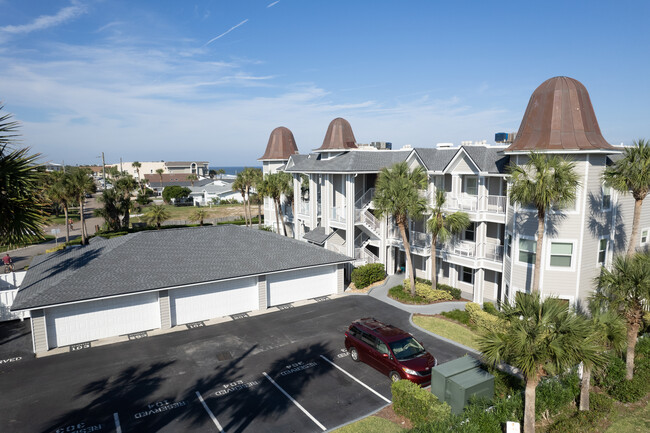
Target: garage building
159,279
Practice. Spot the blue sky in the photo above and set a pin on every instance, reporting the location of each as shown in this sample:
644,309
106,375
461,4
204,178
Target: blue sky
179,80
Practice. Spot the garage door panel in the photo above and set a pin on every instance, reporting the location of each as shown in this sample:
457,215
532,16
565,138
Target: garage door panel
89,321
209,301
292,286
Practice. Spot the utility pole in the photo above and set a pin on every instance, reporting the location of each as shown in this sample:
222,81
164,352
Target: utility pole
121,170
104,170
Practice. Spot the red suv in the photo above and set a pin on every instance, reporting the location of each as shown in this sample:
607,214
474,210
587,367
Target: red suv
390,350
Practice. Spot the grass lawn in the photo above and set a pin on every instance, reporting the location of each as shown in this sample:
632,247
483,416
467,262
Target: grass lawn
372,424
632,421
52,219
447,329
184,212
4,248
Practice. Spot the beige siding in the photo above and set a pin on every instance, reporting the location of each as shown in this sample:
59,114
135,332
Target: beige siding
262,291
463,165
340,282
165,310
39,333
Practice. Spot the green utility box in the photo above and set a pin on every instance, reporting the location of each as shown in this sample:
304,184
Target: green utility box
440,374
456,381
460,388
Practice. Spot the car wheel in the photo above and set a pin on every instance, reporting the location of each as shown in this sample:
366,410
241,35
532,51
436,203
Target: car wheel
354,354
394,376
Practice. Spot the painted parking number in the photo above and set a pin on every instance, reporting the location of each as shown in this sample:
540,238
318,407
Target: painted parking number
79,428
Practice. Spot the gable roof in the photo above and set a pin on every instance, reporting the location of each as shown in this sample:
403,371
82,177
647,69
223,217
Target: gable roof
317,236
179,179
368,161
160,259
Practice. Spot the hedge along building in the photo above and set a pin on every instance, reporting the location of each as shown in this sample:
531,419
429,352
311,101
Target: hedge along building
490,260
160,279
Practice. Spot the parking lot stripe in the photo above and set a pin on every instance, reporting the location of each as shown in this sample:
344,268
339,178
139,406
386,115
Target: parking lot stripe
294,402
358,381
118,427
205,406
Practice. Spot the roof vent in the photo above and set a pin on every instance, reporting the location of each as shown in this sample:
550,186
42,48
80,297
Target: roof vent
444,145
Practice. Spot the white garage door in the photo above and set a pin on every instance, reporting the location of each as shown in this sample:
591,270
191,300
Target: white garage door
293,286
213,300
89,321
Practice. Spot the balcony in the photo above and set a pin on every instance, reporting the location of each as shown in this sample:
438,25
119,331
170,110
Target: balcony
464,202
493,252
303,207
462,249
365,255
496,203
337,214
364,199
420,240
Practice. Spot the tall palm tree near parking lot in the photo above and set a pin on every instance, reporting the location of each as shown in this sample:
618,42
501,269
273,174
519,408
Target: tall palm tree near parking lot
542,336
543,182
160,172
81,183
632,174
250,178
276,186
124,187
156,215
442,227
256,182
240,186
625,289
59,192
397,194
137,166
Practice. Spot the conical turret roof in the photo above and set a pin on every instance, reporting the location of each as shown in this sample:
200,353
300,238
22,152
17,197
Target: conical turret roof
560,117
281,145
339,136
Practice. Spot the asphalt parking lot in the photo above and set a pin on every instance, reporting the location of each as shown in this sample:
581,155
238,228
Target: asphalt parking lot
283,371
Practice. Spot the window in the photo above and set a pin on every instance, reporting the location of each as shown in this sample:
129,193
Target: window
508,245
467,275
602,251
439,182
644,236
607,197
471,185
527,251
469,233
561,253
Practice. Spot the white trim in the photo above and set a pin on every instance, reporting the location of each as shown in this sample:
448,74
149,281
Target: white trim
582,226
574,251
453,159
159,289
647,236
517,261
604,263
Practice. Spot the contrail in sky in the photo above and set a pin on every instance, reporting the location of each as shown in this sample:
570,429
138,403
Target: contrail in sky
272,4
226,32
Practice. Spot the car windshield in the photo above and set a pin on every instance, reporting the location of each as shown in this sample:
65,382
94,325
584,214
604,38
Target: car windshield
406,348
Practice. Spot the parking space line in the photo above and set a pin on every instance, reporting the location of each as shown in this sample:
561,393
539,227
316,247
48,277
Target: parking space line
294,402
358,381
118,427
214,418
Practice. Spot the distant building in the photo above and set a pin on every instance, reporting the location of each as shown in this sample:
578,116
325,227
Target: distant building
200,168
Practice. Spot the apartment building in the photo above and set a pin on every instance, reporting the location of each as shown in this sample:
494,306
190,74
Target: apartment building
494,258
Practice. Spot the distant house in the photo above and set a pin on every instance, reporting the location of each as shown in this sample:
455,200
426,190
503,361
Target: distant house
168,179
200,168
161,279
52,166
219,189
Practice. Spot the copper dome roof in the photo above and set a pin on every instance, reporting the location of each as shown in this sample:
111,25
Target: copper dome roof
339,136
559,117
281,145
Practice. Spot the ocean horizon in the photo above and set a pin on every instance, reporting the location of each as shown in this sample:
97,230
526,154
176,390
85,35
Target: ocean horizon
233,170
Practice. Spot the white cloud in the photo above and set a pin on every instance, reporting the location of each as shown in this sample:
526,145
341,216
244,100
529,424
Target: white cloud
46,21
270,5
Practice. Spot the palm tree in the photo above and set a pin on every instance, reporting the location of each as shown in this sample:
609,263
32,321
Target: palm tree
256,182
442,227
543,336
544,182
110,211
251,177
160,172
608,330
156,214
221,172
81,183
625,289
275,186
212,173
192,178
137,166
59,192
397,194
240,185
124,187
21,214
199,215
632,173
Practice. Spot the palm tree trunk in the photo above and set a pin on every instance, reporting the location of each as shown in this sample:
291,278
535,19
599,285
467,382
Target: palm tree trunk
259,212
585,386
434,271
284,225
634,236
632,332
81,220
276,203
529,406
538,252
67,226
407,250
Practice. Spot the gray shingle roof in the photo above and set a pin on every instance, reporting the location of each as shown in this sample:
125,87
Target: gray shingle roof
155,259
487,159
353,161
318,236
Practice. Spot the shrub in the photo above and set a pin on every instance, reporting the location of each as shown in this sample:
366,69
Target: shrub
484,321
175,192
455,293
363,276
425,291
629,391
489,308
554,394
399,294
461,316
417,404
612,374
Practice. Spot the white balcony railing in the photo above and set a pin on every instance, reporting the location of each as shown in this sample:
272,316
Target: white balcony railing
303,208
360,240
338,214
471,203
368,219
493,252
365,199
364,254
419,239
463,249
496,203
